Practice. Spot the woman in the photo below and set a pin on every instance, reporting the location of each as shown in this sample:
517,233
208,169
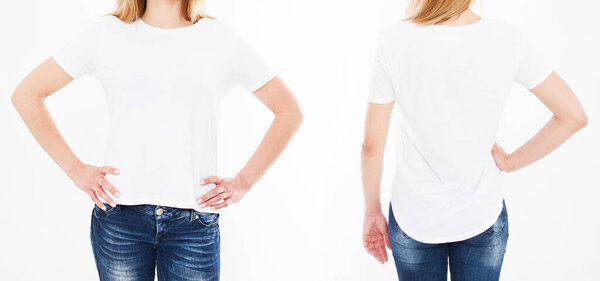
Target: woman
165,68
450,72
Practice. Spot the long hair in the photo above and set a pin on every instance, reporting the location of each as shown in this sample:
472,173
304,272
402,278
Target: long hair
131,10
428,12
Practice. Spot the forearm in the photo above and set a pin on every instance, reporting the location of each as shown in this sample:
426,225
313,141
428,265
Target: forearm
552,135
372,167
276,138
34,113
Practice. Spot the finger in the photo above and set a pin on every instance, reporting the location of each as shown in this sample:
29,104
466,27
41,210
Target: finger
106,185
382,251
110,170
99,191
225,203
371,245
212,179
96,201
372,249
377,247
220,197
497,148
207,196
386,237
217,199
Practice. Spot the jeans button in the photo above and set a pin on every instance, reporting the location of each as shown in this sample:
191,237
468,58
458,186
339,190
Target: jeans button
159,211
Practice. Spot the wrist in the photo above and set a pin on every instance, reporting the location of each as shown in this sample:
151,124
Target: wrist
373,210
243,182
73,168
509,163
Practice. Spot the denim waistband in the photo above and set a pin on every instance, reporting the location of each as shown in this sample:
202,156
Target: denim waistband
164,211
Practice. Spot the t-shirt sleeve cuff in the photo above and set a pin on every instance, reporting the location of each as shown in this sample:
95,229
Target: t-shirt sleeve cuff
65,67
380,100
539,79
259,83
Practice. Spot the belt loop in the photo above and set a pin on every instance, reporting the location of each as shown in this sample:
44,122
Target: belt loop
191,214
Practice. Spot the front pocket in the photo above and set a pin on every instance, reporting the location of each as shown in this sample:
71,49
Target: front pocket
206,219
109,208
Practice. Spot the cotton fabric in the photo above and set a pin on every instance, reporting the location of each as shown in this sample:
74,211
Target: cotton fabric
164,89
450,84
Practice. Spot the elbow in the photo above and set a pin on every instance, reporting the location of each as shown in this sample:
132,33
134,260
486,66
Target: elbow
581,120
21,97
295,117
578,120
299,118
292,118
16,99
370,148
575,121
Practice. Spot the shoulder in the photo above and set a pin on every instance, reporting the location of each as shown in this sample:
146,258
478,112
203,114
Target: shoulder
219,32
105,23
397,29
501,27
396,35
216,26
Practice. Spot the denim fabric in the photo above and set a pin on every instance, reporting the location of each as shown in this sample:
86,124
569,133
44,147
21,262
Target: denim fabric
130,241
478,258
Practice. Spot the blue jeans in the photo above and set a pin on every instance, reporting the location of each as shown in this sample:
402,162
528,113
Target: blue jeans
130,241
478,258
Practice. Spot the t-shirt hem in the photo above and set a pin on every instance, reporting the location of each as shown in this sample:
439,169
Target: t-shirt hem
454,238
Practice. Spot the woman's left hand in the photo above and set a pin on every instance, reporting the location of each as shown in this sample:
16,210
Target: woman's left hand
226,192
501,158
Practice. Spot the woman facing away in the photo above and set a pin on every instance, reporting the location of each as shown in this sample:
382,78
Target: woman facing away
450,72
165,69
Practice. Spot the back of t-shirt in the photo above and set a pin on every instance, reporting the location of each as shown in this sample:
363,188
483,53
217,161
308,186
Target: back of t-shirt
451,84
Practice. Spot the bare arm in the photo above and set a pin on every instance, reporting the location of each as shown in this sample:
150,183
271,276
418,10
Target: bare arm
568,117
375,235
28,99
279,99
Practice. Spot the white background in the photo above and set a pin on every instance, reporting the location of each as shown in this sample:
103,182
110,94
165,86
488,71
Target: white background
303,220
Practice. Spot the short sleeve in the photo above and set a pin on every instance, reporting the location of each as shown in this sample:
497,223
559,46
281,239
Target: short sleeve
78,56
380,84
532,68
251,71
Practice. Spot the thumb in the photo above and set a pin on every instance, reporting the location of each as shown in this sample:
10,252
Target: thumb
386,237
110,170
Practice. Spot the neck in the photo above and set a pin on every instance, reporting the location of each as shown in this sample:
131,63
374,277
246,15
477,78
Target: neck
164,14
464,18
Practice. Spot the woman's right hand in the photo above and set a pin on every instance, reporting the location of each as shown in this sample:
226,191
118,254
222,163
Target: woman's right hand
91,180
375,236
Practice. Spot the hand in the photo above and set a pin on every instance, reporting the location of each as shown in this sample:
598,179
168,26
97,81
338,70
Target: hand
91,180
375,236
227,192
501,158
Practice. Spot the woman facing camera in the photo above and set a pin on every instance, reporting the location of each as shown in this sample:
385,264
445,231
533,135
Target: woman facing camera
165,68
450,72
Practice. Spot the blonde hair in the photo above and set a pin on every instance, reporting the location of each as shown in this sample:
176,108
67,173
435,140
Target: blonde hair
428,12
131,10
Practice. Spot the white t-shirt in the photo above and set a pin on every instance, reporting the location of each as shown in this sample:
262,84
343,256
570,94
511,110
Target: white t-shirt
164,89
451,84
